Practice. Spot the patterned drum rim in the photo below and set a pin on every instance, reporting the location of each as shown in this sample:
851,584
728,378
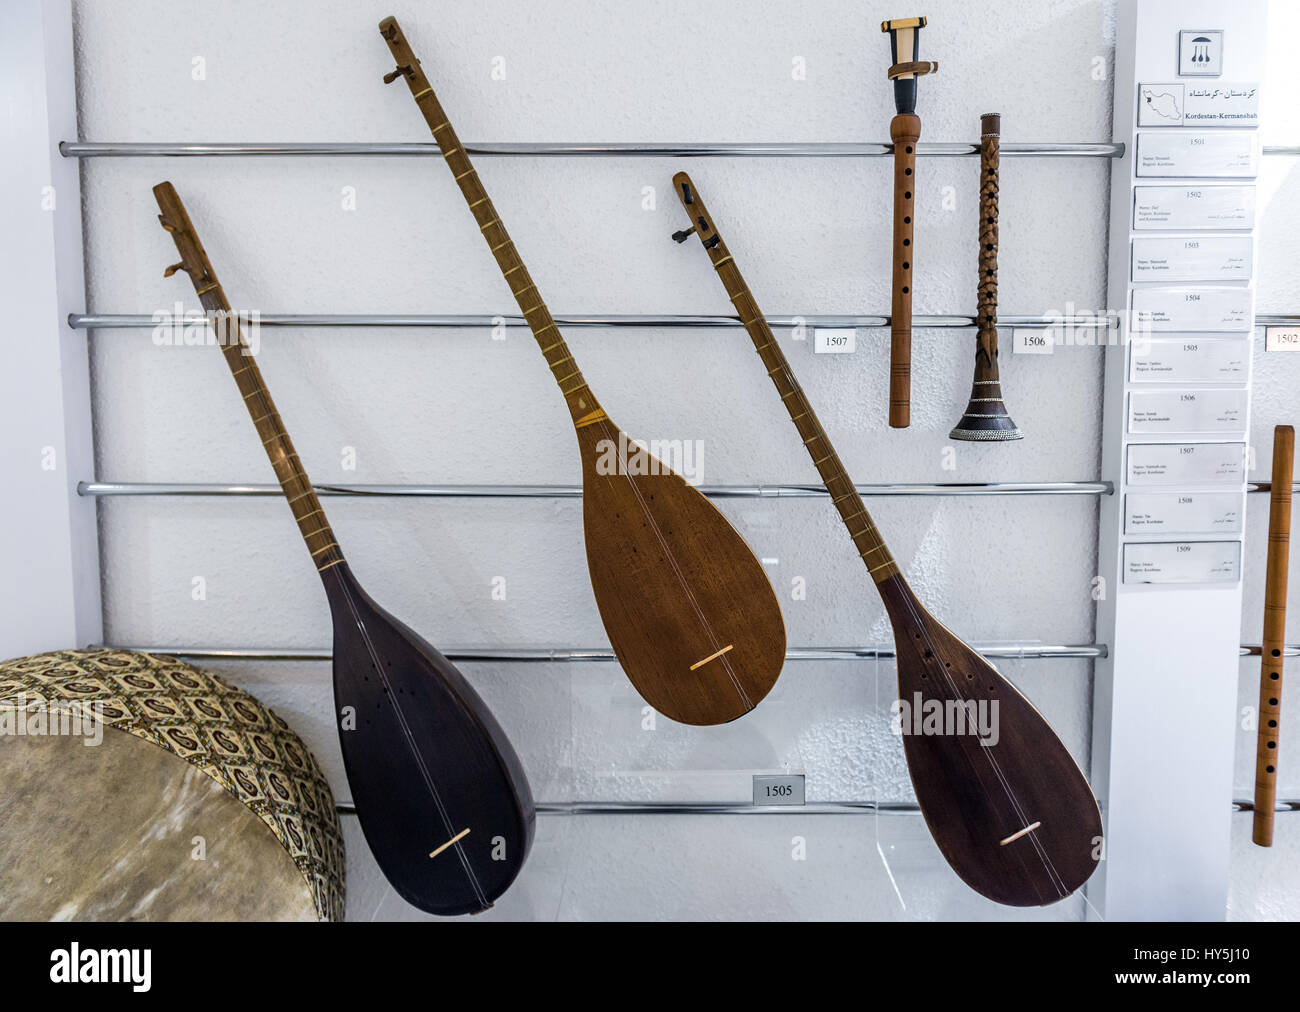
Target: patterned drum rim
227,733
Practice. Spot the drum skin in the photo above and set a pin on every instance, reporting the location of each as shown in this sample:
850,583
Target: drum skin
192,801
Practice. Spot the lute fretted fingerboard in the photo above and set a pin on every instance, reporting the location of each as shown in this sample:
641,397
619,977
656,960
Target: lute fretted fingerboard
844,494
289,471
582,404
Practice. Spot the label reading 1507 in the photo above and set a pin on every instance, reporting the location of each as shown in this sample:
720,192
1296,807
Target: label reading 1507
834,340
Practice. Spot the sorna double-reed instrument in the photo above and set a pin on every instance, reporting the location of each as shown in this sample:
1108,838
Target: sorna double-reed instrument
440,794
1014,817
688,609
904,131
1273,642
986,418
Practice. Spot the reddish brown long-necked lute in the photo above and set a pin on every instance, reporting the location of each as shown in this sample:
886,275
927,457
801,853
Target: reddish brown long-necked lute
986,418
688,609
904,131
1009,808
1273,642
440,794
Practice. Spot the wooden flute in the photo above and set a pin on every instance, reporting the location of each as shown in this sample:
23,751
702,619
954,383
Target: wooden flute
904,131
986,418
1273,642
1015,817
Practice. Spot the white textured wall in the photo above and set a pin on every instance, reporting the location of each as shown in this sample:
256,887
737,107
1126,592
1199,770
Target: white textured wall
456,406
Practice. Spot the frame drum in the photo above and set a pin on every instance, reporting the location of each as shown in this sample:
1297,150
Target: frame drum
137,787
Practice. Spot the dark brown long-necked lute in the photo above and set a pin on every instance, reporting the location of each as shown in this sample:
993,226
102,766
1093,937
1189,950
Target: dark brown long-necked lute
439,791
904,131
1273,643
986,418
1009,808
688,609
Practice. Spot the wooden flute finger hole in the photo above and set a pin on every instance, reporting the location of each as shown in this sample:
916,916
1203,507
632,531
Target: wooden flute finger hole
907,194
907,242
908,149
1269,769
906,265
907,172
1276,652
905,289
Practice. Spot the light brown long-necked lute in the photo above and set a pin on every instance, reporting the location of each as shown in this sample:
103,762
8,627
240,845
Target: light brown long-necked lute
1008,806
1273,643
904,131
688,609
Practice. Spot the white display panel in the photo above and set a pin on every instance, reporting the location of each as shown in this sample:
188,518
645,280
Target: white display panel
1173,616
1183,562
1215,155
1189,464
1192,207
1176,411
1190,358
1163,310
1207,104
1192,258
1183,512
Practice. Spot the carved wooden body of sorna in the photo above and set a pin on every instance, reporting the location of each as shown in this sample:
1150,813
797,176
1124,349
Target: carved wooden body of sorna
440,794
1011,811
688,609
986,418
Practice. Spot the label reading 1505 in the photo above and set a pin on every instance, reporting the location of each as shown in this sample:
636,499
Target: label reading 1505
779,790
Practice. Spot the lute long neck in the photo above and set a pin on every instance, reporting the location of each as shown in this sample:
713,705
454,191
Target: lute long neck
866,538
583,406
279,448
